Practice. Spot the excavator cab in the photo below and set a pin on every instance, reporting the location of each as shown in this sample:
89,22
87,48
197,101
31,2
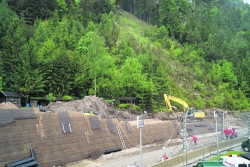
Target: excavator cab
190,112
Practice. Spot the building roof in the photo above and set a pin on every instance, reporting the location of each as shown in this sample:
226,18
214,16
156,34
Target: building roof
12,94
127,98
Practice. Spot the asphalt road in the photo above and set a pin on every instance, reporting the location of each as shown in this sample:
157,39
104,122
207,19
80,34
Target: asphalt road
154,156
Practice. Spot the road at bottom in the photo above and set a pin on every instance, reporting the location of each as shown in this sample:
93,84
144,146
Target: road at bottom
154,156
231,148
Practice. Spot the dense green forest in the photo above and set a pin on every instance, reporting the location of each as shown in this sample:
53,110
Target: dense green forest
197,50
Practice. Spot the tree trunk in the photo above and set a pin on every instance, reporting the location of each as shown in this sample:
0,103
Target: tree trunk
26,99
130,96
95,86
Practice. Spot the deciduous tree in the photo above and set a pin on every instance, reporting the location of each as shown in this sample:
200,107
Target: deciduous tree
131,76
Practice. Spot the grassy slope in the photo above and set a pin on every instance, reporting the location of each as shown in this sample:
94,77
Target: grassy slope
182,75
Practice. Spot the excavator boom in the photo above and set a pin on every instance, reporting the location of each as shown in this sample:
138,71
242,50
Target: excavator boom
191,112
168,98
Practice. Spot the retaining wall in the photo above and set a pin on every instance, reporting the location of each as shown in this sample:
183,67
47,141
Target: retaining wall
54,148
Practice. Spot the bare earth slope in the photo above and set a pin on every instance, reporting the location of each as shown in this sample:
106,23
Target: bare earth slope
92,103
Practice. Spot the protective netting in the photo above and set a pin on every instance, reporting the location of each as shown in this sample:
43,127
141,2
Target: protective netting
94,122
196,132
209,126
111,125
199,128
8,116
65,121
175,124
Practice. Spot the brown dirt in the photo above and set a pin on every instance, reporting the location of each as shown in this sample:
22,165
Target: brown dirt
93,103
176,115
210,111
7,105
168,116
107,111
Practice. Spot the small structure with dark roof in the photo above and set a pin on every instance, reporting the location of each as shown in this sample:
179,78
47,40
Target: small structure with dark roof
13,97
127,100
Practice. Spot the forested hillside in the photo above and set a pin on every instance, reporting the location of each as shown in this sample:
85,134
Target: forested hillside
197,50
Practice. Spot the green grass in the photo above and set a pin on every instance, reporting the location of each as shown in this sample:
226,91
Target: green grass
228,153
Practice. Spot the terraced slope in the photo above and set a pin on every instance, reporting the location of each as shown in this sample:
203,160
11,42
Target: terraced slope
88,139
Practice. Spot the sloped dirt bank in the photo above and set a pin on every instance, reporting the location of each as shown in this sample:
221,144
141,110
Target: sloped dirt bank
93,103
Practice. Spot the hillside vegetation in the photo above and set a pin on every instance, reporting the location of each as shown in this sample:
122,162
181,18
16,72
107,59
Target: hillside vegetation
195,50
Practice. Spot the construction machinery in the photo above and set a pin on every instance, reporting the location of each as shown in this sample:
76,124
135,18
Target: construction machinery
230,133
191,112
90,113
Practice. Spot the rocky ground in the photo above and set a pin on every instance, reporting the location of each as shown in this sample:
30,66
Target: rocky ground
105,110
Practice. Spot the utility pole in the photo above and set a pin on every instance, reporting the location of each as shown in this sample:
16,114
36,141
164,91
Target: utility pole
140,147
223,137
140,125
203,150
185,144
217,145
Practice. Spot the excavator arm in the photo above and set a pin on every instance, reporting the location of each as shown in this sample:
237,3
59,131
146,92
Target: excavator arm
191,112
168,104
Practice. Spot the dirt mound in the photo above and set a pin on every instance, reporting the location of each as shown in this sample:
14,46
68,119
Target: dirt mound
7,105
168,115
123,114
177,115
92,103
210,111
87,103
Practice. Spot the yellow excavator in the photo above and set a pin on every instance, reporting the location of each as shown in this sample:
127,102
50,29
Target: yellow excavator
90,113
191,112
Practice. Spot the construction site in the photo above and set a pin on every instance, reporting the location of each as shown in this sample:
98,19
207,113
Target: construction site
64,134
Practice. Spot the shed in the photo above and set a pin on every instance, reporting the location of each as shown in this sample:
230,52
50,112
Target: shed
38,101
127,100
13,97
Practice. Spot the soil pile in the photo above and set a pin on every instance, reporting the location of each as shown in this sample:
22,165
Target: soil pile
87,103
92,103
168,115
177,115
7,105
210,111
105,110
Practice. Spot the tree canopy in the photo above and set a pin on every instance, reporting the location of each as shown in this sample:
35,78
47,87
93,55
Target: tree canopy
197,50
